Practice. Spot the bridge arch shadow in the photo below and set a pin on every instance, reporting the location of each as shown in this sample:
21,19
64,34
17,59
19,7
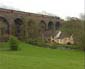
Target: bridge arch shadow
50,25
42,25
18,26
4,26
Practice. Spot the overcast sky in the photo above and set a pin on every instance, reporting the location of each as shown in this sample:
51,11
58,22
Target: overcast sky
61,8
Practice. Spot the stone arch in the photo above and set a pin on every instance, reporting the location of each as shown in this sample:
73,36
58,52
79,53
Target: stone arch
18,26
50,25
4,26
18,21
42,25
57,25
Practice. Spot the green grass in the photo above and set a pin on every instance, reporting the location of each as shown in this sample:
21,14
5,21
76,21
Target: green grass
32,57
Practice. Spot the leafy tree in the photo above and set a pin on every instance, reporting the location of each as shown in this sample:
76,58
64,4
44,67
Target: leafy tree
76,27
82,43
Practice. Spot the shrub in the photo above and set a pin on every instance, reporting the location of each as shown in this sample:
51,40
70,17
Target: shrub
13,42
37,42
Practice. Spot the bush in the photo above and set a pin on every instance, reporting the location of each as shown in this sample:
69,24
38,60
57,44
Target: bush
13,42
42,43
37,42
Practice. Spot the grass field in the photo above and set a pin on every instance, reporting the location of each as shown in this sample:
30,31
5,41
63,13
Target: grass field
32,57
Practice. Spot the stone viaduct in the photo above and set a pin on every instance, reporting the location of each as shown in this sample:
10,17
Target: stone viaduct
10,19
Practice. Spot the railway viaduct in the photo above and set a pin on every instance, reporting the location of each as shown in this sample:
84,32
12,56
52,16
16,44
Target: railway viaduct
12,19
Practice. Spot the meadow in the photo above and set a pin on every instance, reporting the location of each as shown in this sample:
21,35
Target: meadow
33,57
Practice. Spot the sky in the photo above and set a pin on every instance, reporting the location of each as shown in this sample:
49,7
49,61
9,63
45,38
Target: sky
61,8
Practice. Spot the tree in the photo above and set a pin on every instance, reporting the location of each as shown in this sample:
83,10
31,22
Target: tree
82,43
76,27
73,26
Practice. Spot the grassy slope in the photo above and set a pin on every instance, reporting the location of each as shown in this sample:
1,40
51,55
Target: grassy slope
30,57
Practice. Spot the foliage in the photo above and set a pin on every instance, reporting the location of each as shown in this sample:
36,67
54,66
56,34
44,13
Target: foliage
82,42
75,27
31,30
37,42
13,41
